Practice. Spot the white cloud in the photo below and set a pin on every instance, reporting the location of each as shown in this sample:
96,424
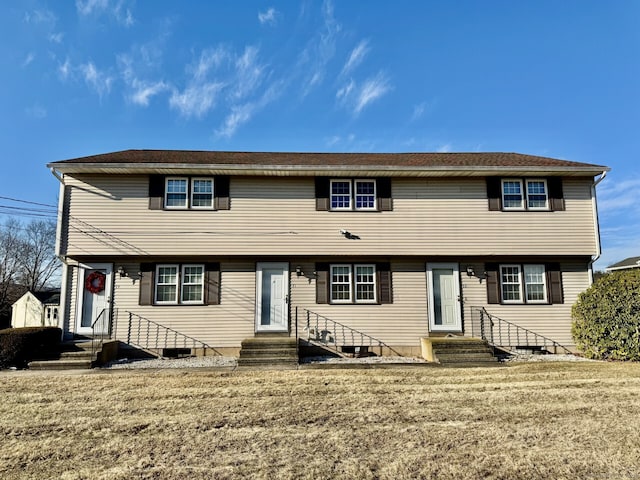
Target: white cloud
345,91
418,111
28,59
40,16
209,59
196,100
89,7
99,81
445,148
65,69
621,197
56,37
143,91
36,111
116,8
249,73
356,57
269,17
373,89
313,60
239,115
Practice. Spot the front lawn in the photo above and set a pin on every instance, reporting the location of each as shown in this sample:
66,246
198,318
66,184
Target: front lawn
535,420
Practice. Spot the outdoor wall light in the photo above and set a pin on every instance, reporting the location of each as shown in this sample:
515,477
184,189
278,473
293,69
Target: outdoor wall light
299,271
122,272
470,271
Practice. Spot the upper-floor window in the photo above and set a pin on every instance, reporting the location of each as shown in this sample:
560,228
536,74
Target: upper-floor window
528,194
183,192
353,194
189,192
532,194
348,194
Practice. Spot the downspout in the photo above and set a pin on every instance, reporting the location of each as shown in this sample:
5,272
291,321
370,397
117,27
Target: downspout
62,309
596,225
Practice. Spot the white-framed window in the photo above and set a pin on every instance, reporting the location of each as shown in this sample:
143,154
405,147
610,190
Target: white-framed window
353,283
192,284
527,194
175,195
353,194
202,193
365,283
182,193
179,284
365,194
523,283
535,283
537,194
166,284
340,194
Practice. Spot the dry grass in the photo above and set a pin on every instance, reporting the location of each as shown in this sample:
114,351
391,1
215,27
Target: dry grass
578,420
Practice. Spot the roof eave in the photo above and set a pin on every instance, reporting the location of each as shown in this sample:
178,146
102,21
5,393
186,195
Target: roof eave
313,170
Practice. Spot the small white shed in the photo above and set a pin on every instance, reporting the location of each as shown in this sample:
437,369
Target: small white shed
36,309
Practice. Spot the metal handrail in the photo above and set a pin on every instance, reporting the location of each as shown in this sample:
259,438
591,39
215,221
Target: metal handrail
507,335
328,333
103,332
153,337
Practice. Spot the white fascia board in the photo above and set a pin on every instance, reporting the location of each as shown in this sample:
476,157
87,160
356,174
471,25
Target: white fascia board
315,170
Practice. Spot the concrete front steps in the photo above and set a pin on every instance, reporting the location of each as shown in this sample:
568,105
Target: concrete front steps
269,351
77,354
458,352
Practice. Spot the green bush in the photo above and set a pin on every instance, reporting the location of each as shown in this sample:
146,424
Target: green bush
606,317
18,346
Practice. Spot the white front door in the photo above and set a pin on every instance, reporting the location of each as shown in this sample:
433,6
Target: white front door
94,298
272,292
443,281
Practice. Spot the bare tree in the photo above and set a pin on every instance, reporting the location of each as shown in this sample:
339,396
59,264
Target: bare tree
38,263
10,244
27,261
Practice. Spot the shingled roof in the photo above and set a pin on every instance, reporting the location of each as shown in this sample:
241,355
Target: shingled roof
631,262
137,160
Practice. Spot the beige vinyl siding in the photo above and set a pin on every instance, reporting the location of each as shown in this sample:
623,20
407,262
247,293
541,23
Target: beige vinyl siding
224,325
399,324
277,216
552,321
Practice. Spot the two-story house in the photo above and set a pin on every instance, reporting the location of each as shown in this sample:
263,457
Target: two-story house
217,247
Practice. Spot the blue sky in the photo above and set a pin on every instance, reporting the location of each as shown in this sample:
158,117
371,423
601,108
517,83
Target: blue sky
558,79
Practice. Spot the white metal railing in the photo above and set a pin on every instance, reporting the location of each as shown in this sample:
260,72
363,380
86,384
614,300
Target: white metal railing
328,333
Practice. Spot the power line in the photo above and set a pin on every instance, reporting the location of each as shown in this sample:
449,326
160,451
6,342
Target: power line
27,201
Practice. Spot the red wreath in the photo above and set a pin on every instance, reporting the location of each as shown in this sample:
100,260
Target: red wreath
95,282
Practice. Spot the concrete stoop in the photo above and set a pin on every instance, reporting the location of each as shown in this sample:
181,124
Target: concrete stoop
71,355
459,352
269,351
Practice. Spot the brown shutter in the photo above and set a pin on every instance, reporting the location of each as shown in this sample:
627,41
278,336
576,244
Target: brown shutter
554,282
385,290
322,283
556,195
322,193
156,192
383,191
494,193
493,283
221,189
212,283
147,283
